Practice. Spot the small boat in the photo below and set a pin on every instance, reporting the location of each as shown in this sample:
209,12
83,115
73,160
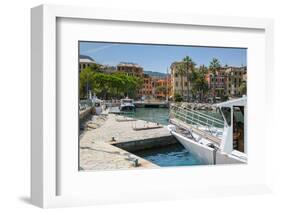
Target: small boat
127,105
213,140
97,103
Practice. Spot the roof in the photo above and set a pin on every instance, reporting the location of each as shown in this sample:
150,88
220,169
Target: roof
86,59
234,102
128,64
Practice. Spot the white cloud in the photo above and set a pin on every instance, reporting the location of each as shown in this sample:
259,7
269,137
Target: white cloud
97,49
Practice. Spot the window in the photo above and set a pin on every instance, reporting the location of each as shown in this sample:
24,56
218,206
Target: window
226,111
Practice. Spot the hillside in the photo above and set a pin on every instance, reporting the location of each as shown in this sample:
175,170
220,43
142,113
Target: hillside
155,74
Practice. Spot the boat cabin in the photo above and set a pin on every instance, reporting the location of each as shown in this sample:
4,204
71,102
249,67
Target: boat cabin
234,113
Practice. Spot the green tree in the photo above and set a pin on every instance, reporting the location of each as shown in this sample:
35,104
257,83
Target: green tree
181,72
243,88
214,68
200,85
86,79
178,98
162,89
189,67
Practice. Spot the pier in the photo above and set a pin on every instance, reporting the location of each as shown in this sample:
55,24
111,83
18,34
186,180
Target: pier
108,147
86,112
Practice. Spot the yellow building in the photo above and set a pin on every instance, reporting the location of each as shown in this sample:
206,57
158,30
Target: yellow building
234,79
179,84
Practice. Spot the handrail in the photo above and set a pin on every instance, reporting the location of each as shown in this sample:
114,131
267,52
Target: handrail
196,118
197,122
196,112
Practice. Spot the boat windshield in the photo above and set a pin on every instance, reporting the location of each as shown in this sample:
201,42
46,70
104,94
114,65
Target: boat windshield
226,112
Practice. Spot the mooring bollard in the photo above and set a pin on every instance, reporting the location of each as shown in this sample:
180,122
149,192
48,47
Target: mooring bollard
136,162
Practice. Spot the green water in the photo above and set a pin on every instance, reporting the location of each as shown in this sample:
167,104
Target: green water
161,115
156,115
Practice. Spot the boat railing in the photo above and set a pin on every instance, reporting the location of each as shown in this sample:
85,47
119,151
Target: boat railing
198,119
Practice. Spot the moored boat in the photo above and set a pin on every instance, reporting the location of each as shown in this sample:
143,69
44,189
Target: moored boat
213,140
127,105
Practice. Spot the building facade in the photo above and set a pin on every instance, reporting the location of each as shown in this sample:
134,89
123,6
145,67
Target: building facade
131,69
227,81
223,83
234,78
179,84
147,89
85,61
216,83
163,88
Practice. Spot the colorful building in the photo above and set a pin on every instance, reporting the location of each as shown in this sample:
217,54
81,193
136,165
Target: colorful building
132,69
179,84
163,88
147,87
234,79
216,83
226,81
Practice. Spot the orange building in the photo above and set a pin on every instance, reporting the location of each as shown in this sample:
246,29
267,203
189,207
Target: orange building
147,87
163,88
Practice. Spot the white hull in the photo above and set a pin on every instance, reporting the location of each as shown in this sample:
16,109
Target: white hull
205,154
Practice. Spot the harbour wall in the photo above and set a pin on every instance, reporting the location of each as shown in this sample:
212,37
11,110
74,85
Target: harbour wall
86,112
149,143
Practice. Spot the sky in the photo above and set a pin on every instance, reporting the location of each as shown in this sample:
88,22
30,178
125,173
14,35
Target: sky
158,58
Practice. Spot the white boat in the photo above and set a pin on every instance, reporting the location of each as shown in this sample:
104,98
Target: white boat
209,138
97,103
127,105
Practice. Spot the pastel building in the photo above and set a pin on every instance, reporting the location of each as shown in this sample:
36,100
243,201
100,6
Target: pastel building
179,84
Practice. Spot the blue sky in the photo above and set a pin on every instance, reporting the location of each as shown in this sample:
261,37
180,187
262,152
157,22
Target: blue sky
159,57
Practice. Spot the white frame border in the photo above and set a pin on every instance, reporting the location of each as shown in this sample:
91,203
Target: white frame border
43,88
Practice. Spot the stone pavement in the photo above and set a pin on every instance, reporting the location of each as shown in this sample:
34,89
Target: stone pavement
96,152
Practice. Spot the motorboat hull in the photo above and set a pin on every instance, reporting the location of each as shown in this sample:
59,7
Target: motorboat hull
206,154
128,108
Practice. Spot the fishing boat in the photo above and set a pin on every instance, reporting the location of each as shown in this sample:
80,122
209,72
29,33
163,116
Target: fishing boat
213,139
127,105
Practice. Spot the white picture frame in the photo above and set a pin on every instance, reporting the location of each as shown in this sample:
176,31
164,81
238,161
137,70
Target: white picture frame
45,174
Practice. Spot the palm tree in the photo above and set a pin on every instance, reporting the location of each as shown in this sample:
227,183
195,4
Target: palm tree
214,68
189,66
181,72
203,85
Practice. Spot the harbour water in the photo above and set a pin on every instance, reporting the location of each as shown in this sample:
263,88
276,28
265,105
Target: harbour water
172,155
156,115
161,115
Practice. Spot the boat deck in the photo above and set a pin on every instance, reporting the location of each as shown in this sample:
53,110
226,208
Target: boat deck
201,133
